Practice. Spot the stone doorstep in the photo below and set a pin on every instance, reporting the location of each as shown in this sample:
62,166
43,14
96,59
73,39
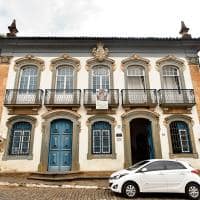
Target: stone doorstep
87,180
70,176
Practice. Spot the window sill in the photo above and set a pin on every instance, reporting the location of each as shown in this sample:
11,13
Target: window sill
101,156
184,155
15,157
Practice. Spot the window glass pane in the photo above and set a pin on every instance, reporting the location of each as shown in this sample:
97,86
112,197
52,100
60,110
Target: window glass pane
28,78
101,138
106,141
100,77
174,165
96,141
64,77
135,70
20,139
171,77
180,137
170,71
155,166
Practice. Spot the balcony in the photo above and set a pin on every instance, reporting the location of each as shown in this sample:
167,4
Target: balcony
65,98
183,98
21,99
90,98
137,98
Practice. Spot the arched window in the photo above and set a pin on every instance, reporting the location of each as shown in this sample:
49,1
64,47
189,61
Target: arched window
136,77
171,77
100,77
101,138
28,78
20,139
64,77
180,137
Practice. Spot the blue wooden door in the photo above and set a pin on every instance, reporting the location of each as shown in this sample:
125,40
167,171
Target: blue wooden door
60,146
150,141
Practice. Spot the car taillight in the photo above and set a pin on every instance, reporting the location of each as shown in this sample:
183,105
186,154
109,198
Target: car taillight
196,171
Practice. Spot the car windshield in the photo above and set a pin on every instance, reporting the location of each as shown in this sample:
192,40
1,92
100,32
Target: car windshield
139,164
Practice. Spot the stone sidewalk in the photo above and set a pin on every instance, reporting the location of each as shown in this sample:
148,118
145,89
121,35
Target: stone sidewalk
18,187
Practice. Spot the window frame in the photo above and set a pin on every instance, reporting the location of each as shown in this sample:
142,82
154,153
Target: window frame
98,66
104,118
29,77
65,77
64,60
10,124
21,142
180,79
24,62
101,140
188,120
171,60
137,61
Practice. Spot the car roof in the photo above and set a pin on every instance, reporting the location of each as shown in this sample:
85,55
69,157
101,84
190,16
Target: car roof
180,161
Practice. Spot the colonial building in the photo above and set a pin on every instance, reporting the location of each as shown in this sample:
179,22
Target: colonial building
98,104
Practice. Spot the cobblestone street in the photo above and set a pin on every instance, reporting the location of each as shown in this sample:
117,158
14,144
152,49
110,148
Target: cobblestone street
23,193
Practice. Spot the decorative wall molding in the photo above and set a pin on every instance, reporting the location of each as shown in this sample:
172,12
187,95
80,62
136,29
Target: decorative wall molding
100,56
29,60
63,60
170,60
5,59
192,60
134,60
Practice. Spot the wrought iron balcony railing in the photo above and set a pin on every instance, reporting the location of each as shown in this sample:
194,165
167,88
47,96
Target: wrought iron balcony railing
62,97
90,96
176,97
139,98
23,97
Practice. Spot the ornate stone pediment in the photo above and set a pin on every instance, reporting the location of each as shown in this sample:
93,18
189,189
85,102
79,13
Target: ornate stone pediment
100,55
170,60
29,60
99,52
63,60
135,60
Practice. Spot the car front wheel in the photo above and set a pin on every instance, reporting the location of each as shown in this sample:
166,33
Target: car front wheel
193,191
130,190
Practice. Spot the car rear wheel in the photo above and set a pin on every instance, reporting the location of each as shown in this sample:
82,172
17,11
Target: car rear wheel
193,191
130,190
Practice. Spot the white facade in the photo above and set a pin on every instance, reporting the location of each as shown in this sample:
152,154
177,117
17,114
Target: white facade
100,164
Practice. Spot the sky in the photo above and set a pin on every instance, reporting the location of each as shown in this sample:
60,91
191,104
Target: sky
121,18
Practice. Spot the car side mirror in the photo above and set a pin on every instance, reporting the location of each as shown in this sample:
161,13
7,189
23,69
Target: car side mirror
144,169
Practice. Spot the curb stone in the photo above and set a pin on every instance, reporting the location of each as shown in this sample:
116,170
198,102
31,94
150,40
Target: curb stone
50,186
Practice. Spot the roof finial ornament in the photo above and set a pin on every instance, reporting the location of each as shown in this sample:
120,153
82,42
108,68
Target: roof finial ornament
184,31
13,29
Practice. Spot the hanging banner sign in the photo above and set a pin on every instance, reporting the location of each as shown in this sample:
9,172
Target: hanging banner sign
101,99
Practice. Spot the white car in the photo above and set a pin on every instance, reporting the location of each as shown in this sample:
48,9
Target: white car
159,176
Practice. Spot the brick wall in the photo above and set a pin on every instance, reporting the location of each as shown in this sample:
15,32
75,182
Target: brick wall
3,79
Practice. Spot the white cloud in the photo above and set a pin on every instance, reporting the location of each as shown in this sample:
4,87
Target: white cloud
136,18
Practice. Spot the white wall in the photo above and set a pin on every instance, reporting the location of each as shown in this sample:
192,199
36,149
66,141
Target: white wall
94,164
